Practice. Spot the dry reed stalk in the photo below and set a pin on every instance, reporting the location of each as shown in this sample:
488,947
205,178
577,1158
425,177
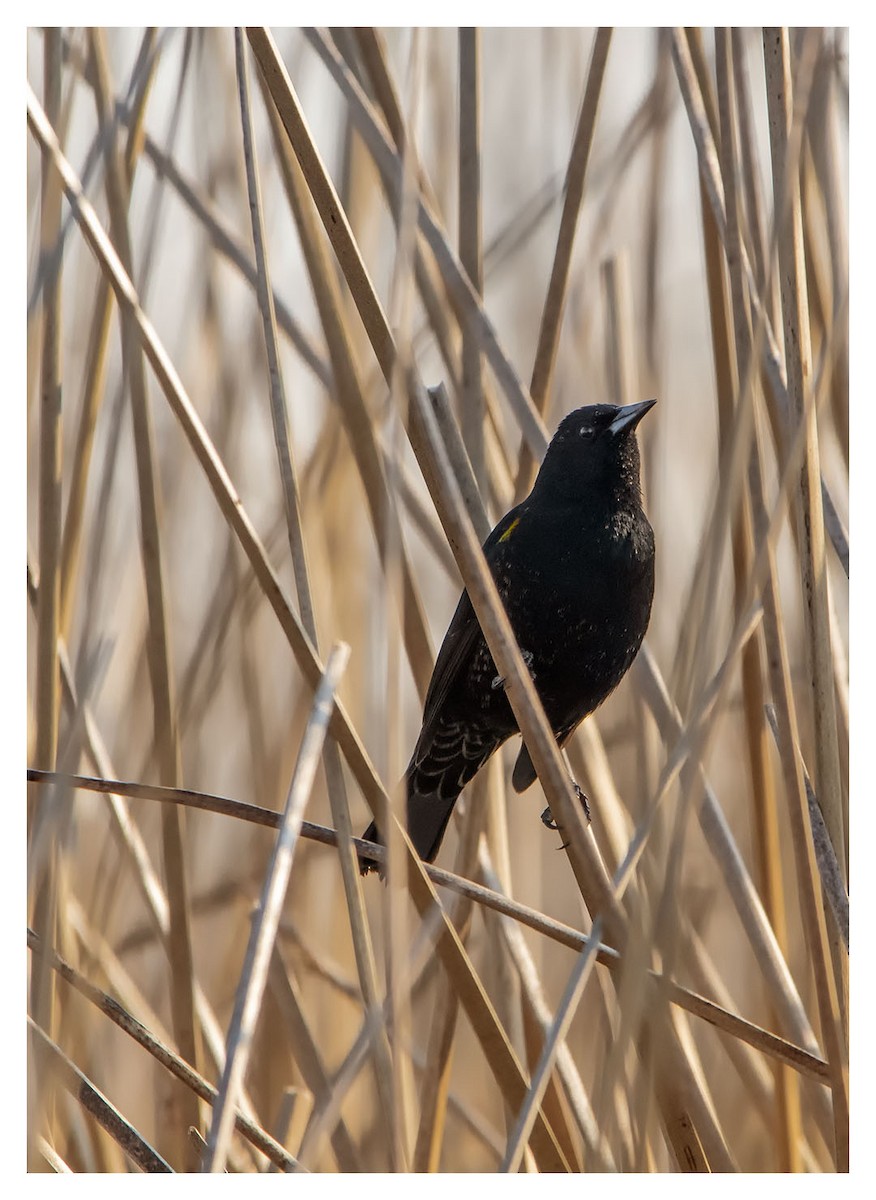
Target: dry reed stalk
554,1038
622,389
52,1157
472,404
828,867
536,1024
277,392
93,1101
729,371
50,433
158,641
826,154
396,914
91,948
349,392
814,924
225,241
236,594
292,1114
132,845
142,78
43,898
389,538
552,314
460,291
145,1037
707,165
654,241
253,976
435,1082
770,358
759,1080
808,507
309,1059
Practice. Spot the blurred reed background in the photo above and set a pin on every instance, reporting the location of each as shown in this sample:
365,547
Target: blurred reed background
247,255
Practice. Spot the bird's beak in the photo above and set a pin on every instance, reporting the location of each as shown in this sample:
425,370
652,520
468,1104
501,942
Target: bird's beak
629,416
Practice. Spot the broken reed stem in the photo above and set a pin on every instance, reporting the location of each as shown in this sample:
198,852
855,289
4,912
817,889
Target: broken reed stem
253,976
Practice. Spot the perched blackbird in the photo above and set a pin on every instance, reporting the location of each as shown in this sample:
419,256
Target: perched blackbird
574,565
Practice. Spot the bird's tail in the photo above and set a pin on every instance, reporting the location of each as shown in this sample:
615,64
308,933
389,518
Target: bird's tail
434,783
427,822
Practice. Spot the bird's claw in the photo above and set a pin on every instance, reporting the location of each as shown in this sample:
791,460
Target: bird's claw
527,657
585,803
547,816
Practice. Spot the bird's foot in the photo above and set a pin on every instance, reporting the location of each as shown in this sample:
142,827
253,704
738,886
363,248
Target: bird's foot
527,657
547,816
585,803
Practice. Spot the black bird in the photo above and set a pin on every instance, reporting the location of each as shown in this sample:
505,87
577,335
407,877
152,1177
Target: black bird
574,565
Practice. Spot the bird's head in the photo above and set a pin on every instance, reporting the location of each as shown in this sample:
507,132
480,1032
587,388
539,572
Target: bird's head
594,447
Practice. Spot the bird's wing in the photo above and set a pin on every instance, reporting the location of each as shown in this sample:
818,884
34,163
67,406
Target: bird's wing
459,641
524,773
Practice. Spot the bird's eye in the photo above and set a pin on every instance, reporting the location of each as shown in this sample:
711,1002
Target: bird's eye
587,432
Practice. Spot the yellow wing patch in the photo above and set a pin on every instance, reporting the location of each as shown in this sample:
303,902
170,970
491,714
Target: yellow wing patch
510,530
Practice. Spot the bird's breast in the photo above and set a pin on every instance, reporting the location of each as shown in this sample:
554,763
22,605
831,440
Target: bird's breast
583,610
